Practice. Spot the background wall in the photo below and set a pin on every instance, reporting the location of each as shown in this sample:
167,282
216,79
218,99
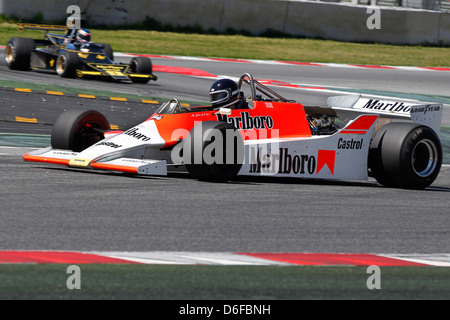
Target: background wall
338,21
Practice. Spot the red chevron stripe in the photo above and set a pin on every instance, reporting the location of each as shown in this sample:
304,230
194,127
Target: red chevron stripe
55,257
333,259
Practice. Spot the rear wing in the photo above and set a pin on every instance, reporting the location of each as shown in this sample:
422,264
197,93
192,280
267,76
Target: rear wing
46,27
71,24
426,114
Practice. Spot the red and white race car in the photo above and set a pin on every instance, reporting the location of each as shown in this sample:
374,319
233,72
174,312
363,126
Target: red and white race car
394,142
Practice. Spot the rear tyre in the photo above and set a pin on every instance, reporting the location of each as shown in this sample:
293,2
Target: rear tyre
141,65
213,151
405,155
108,50
67,64
77,130
18,53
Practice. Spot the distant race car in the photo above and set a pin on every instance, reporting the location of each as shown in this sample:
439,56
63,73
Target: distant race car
395,142
62,53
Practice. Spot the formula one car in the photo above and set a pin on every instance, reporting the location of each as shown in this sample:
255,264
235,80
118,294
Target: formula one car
62,53
395,142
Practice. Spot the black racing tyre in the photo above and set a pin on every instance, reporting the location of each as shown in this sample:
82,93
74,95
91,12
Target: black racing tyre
67,64
141,65
206,158
18,53
77,129
108,50
405,155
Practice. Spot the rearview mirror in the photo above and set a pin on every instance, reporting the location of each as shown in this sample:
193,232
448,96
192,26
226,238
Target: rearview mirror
225,111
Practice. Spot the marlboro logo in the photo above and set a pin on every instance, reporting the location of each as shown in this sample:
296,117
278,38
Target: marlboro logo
283,162
246,121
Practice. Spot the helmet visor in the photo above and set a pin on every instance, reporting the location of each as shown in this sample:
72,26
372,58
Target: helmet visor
86,37
219,96
83,36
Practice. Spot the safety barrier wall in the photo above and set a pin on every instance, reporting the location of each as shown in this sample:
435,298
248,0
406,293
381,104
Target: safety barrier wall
338,21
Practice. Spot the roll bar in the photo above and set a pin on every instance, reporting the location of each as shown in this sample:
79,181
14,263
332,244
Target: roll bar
247,78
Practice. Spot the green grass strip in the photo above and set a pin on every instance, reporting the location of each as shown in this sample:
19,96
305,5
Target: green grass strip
42,88
251,47
156,282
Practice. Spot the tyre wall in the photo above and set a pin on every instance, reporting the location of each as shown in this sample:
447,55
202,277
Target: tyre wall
337,21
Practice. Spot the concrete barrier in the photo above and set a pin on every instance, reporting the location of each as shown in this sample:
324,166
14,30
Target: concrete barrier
327,20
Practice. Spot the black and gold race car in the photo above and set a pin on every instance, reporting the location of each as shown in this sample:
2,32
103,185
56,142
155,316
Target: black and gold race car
70,58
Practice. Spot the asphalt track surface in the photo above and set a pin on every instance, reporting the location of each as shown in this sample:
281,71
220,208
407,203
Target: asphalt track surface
47,207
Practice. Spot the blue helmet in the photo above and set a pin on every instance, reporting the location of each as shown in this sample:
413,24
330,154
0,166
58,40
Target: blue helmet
223,93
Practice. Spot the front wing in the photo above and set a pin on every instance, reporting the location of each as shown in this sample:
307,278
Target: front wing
115,71
69,158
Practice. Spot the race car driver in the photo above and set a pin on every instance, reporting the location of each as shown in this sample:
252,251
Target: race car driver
83,37
224,93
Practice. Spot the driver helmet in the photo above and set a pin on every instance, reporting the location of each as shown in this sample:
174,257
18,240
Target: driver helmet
83,36
223,93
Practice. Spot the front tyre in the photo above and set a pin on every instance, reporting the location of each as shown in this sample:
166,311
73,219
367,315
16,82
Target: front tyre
213,151
141,65
77,130
67,64
405,155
